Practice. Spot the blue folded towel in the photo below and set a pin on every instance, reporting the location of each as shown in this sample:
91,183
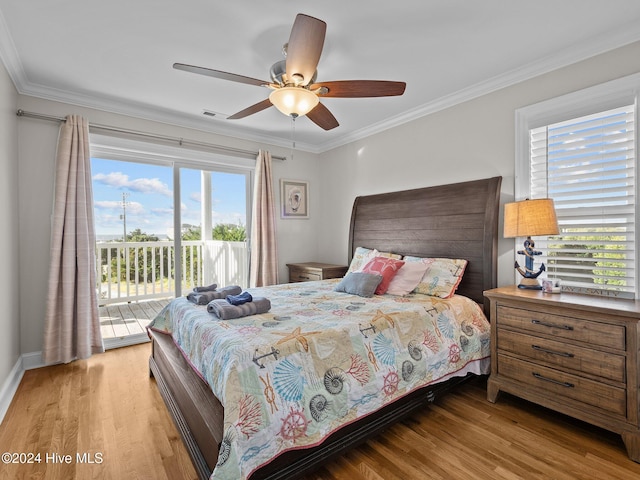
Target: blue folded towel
208,288
244,297
225,311
206,297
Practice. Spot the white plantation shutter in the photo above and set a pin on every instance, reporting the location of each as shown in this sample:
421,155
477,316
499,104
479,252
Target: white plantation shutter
587,165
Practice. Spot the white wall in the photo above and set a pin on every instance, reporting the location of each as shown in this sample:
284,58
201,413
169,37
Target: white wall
297,240
472,140
9,245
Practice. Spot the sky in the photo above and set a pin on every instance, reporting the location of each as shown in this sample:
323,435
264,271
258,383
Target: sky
148,193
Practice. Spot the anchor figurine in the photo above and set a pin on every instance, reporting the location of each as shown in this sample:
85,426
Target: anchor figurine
529,275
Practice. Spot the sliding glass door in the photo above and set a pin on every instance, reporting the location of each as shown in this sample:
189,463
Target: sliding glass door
163,226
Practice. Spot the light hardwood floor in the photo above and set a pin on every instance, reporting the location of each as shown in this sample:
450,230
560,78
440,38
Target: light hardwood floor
108,405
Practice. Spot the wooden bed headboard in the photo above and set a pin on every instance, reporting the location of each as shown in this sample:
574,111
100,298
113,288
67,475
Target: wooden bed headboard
458,220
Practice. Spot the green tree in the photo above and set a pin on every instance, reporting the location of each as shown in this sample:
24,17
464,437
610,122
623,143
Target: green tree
229,232
138,235
192,233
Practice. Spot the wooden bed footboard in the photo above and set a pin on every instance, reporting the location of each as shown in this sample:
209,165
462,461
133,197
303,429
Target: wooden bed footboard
200,424
198,415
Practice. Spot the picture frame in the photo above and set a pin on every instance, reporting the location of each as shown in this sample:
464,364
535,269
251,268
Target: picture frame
294,199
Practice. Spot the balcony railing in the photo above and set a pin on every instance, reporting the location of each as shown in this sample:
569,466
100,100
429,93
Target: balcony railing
132,271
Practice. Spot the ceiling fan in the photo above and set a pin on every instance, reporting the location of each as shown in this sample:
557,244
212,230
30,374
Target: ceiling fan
294,88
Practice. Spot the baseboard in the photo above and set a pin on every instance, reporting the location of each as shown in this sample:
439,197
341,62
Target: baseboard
26,362
32,360
10,387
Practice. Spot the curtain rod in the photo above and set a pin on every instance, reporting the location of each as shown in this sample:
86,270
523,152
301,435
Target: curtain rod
178,140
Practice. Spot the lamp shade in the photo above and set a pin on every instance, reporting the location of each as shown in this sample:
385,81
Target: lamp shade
294,101
530,218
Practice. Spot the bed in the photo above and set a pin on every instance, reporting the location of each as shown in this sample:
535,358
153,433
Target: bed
323,407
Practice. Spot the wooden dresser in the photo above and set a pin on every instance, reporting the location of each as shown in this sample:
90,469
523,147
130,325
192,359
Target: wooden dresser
310,271
575,354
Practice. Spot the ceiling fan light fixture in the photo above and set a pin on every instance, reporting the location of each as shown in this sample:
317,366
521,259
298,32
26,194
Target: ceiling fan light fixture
294,101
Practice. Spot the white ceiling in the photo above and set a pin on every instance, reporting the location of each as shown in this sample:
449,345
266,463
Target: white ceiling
117,55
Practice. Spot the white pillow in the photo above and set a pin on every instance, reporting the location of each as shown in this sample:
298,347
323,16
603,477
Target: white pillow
361,257
407,278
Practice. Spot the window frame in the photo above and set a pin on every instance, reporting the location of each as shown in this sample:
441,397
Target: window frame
613,94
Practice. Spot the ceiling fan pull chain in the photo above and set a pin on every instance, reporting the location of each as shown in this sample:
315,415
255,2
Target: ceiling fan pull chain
293,135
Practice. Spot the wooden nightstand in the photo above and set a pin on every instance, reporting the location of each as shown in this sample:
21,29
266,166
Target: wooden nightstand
309,271
575,354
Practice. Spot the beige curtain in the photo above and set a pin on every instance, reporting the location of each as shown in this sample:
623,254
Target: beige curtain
72,323
264,254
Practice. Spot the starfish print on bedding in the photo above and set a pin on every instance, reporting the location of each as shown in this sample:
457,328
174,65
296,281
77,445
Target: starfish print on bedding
381,315
297,335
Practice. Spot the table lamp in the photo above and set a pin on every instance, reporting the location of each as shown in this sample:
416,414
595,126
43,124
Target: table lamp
529,218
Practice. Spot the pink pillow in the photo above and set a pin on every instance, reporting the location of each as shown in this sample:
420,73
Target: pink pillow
407,278
387,268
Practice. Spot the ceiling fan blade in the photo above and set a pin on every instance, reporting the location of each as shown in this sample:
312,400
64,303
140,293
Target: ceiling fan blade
258,107
304,48
219,74
360,88
321,116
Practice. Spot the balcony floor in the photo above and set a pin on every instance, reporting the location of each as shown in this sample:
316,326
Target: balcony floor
121,320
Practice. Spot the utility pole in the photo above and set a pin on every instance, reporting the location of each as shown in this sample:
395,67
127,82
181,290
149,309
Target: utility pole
123,217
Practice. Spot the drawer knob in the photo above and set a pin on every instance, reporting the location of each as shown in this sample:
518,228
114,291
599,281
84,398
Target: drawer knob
552,325
552,352
551,380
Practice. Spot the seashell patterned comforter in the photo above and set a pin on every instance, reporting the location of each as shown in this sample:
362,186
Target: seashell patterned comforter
318,360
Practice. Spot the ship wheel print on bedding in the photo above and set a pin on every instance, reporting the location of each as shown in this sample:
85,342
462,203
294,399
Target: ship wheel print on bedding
294,425
391,382
454,353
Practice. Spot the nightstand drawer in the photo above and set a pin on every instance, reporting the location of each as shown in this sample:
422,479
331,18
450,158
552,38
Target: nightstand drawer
311,271
557,382
564,355
296,275
569,328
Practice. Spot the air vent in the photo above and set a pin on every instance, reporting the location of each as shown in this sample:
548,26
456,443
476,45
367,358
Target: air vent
216,115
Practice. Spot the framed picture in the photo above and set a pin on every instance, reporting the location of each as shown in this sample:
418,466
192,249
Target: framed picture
294,199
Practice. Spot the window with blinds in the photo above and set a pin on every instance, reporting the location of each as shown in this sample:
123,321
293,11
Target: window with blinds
587,165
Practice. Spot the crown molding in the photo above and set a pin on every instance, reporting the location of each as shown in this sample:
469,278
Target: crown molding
564,58
568,56
156,114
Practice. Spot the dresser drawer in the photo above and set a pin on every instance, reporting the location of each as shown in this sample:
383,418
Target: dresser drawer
564,327
296,275
557,382
563,355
